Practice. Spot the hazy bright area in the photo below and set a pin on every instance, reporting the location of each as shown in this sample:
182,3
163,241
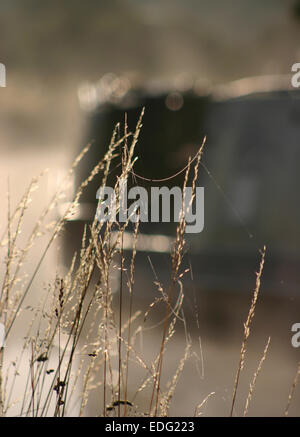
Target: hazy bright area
49,49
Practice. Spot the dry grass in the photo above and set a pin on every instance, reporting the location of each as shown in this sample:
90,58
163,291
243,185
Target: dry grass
77,342
292,391
247,327
75,317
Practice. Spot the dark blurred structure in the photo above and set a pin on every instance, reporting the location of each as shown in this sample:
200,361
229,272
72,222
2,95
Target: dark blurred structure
296,9
249,171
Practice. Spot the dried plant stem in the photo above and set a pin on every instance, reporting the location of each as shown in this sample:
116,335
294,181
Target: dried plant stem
292,391
166,400
105,342
198,407
247,327
176,262
32,377
253,383
130,287
120,327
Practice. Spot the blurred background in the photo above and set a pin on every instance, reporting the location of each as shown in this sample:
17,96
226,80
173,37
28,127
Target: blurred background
53,50
50,49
